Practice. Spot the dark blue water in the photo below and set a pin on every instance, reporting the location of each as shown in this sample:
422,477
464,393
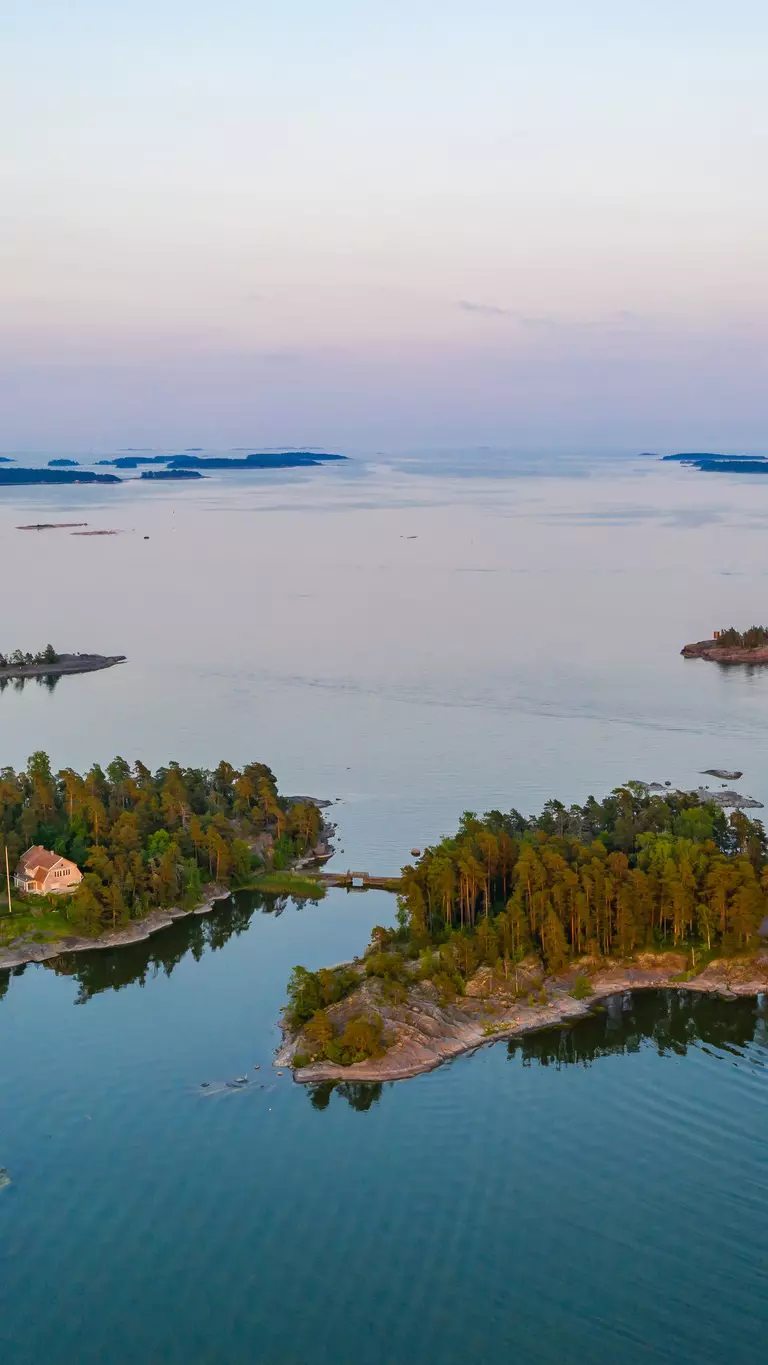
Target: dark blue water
595,1194
598,1198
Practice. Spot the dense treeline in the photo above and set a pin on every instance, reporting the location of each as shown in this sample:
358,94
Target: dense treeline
18,659
754,638
609,877
145,840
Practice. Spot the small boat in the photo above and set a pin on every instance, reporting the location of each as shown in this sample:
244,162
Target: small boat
241,1080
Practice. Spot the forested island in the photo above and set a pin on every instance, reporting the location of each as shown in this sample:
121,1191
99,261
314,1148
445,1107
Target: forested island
47,663
722,464
514,923
283,459
20,477
170,467
150,846
732,646
172,474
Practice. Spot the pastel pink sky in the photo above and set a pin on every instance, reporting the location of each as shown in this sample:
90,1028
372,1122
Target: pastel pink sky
384,226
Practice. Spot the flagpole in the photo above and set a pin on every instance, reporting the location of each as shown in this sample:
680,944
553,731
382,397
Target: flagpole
8,881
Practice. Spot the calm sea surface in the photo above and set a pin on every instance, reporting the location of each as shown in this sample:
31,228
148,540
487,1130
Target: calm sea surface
414,636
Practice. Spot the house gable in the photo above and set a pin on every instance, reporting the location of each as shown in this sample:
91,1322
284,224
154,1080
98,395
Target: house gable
42,871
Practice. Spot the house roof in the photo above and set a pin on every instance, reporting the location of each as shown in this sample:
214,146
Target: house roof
39,859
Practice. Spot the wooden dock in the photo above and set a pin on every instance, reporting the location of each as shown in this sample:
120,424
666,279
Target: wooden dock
359,881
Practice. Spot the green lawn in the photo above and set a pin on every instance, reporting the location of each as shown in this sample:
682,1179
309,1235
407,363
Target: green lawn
24,923
287,883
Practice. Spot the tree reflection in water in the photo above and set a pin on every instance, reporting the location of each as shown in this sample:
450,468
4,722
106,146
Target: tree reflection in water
669,1021
111,969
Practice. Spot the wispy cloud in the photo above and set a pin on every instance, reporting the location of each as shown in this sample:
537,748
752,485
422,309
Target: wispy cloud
492,310
487,309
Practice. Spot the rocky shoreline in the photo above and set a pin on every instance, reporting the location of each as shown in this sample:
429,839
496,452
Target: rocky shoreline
723,654
66,663
137,930
422,1033
134,932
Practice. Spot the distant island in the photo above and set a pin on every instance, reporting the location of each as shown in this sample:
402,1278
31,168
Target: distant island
172,474
17,477
731,646
723,464
515,924
138,849
289,459
50,664
171,467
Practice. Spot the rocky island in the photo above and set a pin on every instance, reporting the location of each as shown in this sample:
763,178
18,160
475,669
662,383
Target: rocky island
731,646
515,924
49,664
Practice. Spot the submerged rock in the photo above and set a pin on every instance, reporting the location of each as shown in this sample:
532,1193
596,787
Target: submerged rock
5,1179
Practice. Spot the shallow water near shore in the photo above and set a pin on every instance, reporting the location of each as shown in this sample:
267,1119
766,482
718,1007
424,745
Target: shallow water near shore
586,1194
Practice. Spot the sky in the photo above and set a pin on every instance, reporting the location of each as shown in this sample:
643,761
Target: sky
367,225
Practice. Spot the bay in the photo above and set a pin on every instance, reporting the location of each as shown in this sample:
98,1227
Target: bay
414,636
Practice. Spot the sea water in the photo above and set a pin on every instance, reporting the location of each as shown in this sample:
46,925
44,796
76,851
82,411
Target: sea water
409,637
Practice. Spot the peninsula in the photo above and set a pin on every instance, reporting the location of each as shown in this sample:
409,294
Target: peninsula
514,924
731,646
49,664
142,849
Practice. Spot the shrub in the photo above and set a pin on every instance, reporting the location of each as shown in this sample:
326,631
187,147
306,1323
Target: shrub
447,986
319,1031
386,965
582,988
393,992
362,1038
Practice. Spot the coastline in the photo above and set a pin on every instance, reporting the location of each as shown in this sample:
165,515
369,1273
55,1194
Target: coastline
723,654
138,930
134,932
425,1034
66,663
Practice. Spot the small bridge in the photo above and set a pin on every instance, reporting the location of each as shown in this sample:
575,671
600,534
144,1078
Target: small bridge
359,881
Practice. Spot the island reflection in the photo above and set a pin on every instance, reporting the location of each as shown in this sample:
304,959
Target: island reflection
112,969
669,1021
46,680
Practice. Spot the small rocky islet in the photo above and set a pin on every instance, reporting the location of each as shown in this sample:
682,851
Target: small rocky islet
731,646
